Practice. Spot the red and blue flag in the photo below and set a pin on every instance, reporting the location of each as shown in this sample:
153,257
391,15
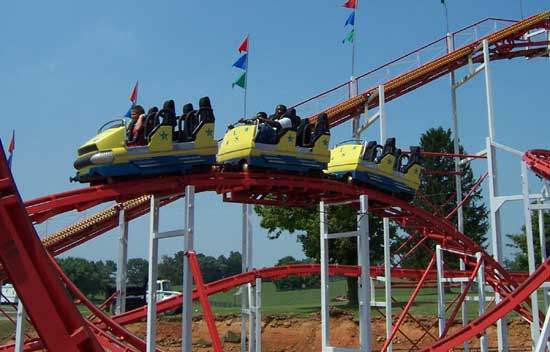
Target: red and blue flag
11,148
133,99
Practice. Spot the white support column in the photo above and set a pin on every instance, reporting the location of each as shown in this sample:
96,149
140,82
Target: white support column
544,334
387,282
382,111
20,327
489,90
543,255
244,288
356,121
440,289
325,299
363,249
458,178
530,252
251,320
122,264
187,309
496,241
481,296
152,283
258,312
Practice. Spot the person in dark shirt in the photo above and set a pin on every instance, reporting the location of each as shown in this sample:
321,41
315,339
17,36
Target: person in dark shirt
135,129
279,111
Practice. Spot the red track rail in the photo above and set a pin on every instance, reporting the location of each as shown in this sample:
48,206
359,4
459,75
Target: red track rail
52,312
539,161
506,43
478,325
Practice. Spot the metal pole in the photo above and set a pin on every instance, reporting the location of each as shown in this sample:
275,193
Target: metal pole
363,250
494,216
545,334
187,309
530,252
387,282
481,296
355,125
122,265
152,283
258,315
440,289
458,179
20,327
489,89
502,328
245,267
251,324
542,238
381,109
325,317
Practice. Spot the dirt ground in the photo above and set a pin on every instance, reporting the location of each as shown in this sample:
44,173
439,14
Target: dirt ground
293,334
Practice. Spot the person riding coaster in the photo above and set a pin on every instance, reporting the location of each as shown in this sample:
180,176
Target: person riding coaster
266,143
384,167
111,154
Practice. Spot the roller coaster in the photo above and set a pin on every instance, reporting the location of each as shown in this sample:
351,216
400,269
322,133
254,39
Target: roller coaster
44,289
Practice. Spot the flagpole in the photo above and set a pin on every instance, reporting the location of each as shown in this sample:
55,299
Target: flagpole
246,74
353,43
446,16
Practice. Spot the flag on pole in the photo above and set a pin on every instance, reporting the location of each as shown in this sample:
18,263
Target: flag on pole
349,37
11,148
241,82
351,19
350,4
241,62
244,45
133,99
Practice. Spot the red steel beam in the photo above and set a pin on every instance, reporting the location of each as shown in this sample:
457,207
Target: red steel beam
46,301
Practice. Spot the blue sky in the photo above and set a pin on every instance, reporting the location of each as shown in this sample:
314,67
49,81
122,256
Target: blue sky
68,66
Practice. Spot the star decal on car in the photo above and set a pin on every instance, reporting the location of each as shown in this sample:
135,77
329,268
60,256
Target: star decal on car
209,132
164,136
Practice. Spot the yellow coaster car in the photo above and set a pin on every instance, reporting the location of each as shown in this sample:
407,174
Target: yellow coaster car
107,155
381,167
299,150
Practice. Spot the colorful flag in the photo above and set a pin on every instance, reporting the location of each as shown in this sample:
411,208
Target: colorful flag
350,4
133,100
351,19
241,82
241,62
244,45
349,37
11,148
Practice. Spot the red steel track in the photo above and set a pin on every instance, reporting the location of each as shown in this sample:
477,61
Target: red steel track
59,324
539,161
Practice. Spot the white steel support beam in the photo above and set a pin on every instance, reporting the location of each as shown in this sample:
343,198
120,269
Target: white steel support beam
544,334
251,316
542,241
387,282
496,240
440,289
355,122
152,283
382,111
530,252
187,302
458,177
20,327
493,189
122,263
258,311
244,261
325,299
481,295
364,280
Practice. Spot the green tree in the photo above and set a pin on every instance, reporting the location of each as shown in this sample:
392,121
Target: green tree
519,243
138,271
438,187
84,274
305,222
